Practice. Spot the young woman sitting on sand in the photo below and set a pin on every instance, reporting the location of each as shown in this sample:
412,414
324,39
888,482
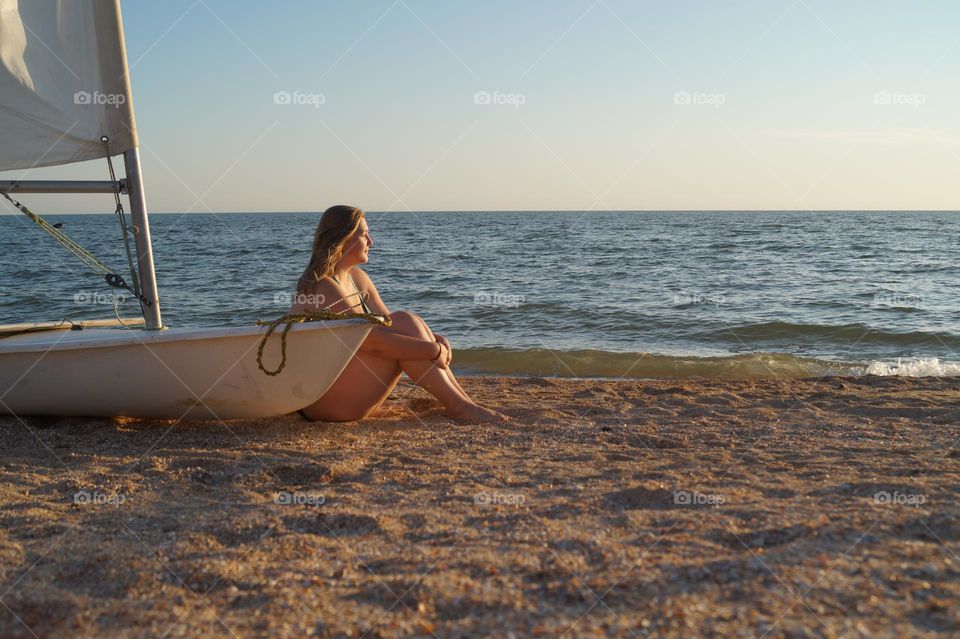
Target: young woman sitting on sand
340,244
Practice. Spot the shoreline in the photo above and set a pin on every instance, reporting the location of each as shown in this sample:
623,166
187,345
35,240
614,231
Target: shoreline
677,508
601,364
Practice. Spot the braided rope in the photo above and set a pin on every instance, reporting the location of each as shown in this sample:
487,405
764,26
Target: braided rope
299,318
86,256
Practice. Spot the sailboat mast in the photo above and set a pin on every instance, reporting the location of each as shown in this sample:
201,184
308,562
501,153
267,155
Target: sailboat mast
141,224
138,201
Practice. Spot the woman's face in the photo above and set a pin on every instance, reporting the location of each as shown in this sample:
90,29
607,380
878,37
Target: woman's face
358,246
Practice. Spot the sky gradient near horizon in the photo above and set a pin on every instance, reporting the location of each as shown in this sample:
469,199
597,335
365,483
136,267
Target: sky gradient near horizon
575,105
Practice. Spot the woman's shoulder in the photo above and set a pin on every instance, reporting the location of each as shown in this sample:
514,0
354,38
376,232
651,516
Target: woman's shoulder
360,276
324,283
317,294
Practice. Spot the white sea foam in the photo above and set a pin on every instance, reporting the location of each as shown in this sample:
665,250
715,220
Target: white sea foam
925,367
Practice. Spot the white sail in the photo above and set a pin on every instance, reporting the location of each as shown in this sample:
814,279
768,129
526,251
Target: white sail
63,82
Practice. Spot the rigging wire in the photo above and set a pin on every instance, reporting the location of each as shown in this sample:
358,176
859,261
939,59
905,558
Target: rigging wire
113,279
124,229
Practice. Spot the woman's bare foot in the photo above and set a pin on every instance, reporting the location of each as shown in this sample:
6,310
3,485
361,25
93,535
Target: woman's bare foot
476,414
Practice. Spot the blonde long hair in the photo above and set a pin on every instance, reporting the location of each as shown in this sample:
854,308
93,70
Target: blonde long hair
337,225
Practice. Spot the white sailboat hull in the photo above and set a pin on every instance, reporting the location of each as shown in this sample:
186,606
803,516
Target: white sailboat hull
187,373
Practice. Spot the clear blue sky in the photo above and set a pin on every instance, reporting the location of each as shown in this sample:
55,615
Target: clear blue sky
608,104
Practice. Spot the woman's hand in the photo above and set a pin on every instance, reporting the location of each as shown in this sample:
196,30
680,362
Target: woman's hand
443,357
443,340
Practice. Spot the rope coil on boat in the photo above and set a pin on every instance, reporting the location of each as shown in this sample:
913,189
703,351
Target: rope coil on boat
299,318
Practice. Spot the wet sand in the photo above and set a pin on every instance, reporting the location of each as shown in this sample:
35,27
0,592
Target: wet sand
788,508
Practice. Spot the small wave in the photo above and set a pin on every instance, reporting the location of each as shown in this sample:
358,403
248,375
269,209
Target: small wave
924,367
858,333
595,363
588,363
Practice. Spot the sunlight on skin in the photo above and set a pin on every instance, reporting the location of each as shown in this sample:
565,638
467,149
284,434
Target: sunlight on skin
387,352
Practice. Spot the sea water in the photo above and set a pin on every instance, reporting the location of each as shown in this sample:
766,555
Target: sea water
585,294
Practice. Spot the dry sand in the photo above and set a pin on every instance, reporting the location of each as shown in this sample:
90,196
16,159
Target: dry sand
702,508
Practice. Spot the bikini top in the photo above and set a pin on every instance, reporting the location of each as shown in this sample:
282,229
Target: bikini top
366,309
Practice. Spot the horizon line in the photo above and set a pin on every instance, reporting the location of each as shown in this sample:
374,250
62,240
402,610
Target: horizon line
152,213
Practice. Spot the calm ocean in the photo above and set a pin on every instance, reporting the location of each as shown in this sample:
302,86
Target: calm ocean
609,294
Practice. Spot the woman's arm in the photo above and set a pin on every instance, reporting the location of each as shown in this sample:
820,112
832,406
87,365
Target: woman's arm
373,296
374,301
380,341
385,342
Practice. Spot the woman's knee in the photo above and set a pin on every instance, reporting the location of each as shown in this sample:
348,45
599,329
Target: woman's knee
409,324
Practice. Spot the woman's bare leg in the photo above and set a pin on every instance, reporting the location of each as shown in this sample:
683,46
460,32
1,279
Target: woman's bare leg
368,380
360,389
447,371
412,324
427,374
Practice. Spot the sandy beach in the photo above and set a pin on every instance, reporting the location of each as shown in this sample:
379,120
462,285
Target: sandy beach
810,508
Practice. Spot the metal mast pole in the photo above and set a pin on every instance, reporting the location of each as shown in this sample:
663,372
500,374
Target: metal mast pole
138,202
138,214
